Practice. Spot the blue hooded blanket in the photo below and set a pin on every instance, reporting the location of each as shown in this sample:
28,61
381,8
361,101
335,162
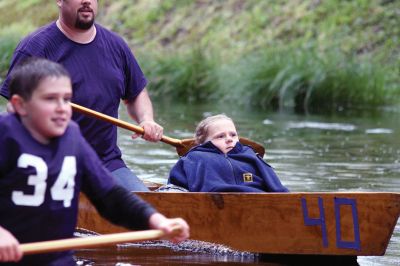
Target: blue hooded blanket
206,169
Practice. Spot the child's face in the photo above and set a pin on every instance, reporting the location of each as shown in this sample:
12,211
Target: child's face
223,135
48,112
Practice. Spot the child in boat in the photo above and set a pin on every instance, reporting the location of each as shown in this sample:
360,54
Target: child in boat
221,163
45,163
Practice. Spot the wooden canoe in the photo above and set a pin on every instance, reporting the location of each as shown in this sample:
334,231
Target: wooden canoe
349,223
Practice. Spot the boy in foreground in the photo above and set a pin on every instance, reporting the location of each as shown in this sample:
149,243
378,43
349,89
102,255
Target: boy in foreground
45,163
220,163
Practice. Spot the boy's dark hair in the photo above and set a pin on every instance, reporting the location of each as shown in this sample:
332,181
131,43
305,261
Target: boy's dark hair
26,77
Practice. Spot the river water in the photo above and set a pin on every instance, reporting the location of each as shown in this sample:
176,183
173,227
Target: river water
358,151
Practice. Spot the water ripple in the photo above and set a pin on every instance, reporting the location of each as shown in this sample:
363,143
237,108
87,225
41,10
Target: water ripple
379,131
320,125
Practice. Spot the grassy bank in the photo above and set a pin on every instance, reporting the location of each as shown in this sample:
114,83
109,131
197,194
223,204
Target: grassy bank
18,18
304,55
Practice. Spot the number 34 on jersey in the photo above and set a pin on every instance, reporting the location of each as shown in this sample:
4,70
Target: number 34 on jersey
62,190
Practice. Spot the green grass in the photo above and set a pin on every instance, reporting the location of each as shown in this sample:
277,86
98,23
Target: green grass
300,80
305,81
9,38
34,12
185,77
17,19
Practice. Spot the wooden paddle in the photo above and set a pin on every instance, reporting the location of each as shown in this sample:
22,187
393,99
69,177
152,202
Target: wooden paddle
92,241
182,146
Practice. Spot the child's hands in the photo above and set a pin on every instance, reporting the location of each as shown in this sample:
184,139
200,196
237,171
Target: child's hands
159,221
9,246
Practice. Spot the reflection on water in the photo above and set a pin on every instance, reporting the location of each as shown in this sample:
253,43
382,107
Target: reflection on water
157,255
358,152
161,256
322,126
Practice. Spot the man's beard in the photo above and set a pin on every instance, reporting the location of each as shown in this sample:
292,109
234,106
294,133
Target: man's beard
83,25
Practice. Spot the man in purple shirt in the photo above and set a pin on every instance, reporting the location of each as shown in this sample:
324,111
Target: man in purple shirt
103,71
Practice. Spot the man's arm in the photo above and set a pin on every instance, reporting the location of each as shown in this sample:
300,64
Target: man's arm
141,110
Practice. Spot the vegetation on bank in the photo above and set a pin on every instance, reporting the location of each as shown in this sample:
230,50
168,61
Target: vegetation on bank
309,55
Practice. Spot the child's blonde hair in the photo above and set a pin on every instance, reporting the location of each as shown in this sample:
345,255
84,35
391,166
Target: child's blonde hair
202,128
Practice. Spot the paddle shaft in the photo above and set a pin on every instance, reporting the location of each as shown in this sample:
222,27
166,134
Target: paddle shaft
123,124
86,242
182,146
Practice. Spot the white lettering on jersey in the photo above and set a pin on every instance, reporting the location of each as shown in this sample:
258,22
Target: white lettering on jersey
62,190
38,181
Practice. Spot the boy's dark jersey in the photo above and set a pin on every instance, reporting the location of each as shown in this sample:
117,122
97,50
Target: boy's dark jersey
205,168
40,185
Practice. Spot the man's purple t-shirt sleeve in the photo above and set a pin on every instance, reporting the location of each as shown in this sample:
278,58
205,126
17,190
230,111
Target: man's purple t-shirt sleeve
16,59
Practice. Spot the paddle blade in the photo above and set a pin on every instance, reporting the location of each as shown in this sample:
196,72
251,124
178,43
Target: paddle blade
185,146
